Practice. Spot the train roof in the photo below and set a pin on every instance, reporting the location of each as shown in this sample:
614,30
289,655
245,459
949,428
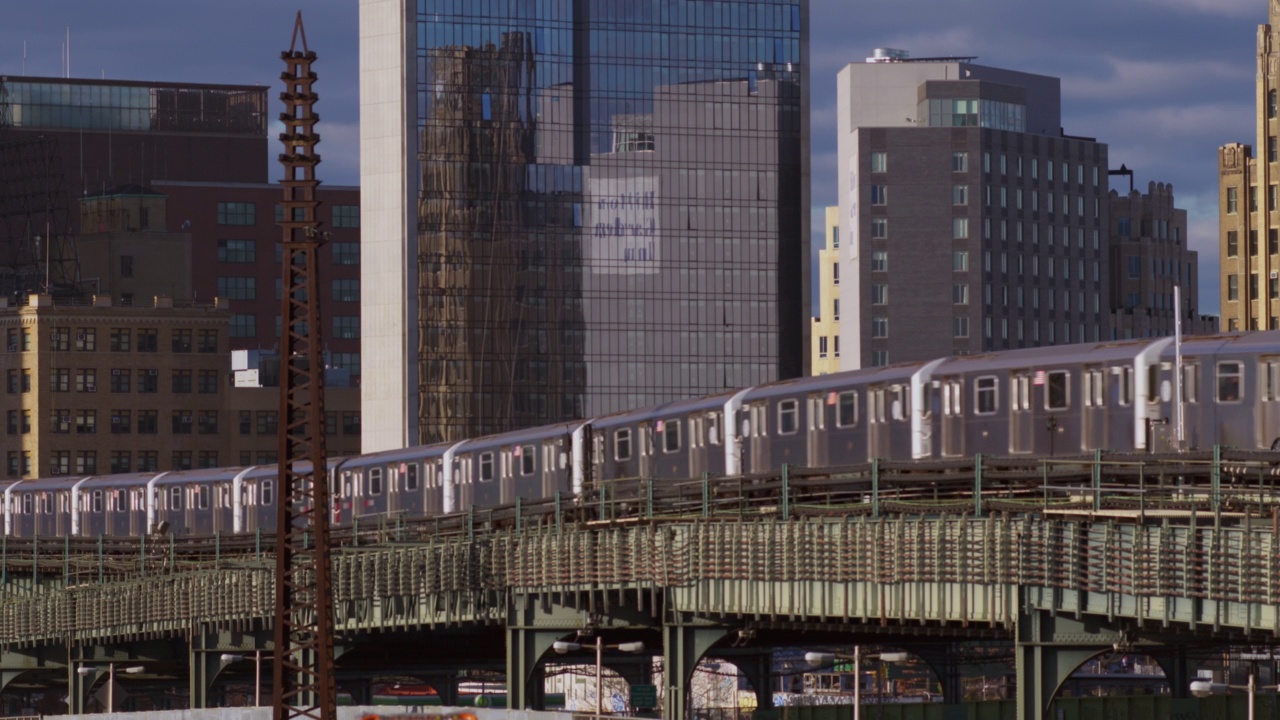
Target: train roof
665,410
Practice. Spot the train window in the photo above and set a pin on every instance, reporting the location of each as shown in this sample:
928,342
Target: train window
1229,382
671,436
847,409
713,429
46,503
268,492
175,497
951,391
27,504
597,448
1094,388
122,499
375,481
1190,390
486,467
1153,383
788,417
985,399
223,496
1057,390
200,497
899,399
622,445
875,405
96,501
527,459
410,473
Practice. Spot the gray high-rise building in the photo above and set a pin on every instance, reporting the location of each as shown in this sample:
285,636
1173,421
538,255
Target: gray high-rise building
971,222
575,207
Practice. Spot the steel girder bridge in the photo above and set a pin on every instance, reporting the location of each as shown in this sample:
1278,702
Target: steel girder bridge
1059,559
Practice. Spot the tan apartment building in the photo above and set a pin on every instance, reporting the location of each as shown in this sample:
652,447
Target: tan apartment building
824,336
98,389
1249,203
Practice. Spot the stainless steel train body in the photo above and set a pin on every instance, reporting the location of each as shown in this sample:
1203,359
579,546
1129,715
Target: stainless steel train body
1065,400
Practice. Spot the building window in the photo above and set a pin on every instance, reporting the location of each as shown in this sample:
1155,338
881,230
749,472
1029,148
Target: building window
237,288
244,326
835,273
236,213
346,326
1232,201
246,422
350,423
60,339
346,216
879,261
960,294
120,380
237,251
879,294
148,341
207,341
86,380
121,422
879,162
346,290
960,228
350,361
207,459
822,346
87,339
60,421
959,162
181,381
960,260
959,194
1233,287
60,462
1271,104
120,340
208,382
835,308
346,253
149,380
87,422
879,358
121,461
1233,243
207,422
879,228
126,266
960,327
180,341
880,327
60,380
181,461
148,422
879,195
267,422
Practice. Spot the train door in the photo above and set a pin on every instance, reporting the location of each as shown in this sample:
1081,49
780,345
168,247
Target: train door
817,428
554,464
648,448
877,423
138,511
373,492
1269,410
953,421
1159,429
395,490
433,500
697,445
1192,417
1093,417
760,455
507,474
343,503
200,510
1021,415
222,510
62,512
1120,400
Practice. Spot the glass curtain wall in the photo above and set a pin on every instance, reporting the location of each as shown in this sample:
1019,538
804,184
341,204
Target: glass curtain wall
610,206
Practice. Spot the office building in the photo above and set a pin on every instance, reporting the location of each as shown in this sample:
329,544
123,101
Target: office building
100,388
970,222
1249,234
824,336
1149,258
575,208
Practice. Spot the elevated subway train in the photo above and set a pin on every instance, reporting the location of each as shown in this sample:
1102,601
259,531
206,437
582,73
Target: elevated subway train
1124,395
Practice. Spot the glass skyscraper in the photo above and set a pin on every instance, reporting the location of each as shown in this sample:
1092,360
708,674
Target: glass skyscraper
574,207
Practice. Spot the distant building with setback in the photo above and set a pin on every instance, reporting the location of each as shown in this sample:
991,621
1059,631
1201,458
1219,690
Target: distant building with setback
970,222
824,337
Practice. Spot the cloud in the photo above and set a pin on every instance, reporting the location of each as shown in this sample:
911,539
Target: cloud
1130,80
1225,8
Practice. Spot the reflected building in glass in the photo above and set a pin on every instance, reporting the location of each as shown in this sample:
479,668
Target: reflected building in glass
575,207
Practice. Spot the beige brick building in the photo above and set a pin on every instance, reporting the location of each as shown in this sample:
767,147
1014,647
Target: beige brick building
824,336
1249,204
97,389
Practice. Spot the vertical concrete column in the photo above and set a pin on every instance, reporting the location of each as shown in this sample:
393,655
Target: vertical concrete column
204,664
759,671
682,647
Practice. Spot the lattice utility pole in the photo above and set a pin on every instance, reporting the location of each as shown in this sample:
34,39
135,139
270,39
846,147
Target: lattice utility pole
304,684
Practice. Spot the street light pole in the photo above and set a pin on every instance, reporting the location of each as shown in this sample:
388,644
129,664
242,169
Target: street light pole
257,678
111,687
857,682
600,676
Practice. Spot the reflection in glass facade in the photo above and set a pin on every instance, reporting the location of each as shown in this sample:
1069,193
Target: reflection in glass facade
92,105
972,112
610,205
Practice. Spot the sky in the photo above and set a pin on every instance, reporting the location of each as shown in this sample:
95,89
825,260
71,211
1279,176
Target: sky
1163,82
